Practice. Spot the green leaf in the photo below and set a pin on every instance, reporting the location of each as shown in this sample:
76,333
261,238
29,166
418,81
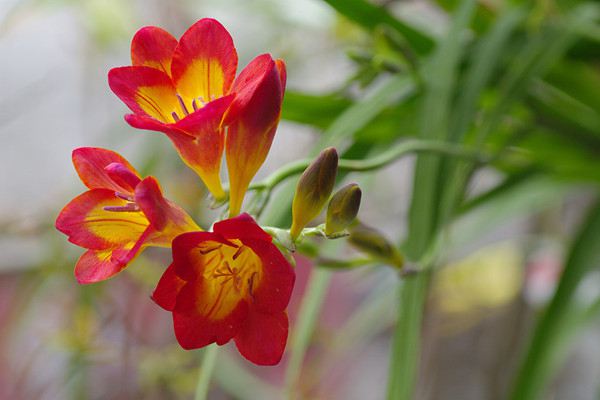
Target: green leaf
485,61
370,16
362,112
439,78
316,110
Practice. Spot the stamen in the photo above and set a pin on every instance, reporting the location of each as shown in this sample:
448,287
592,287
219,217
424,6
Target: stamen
182,104
124,196
201,100
228,267
175,116
194,105
224,270
212,97
238,252
205,251
251,285
129,207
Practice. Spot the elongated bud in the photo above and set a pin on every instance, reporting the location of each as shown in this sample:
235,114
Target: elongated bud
372,242
313,190
343,208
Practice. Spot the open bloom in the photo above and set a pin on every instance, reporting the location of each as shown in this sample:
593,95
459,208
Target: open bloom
184,88
119,216
232,283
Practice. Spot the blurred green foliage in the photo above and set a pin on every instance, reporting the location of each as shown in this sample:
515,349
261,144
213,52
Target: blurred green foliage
512,77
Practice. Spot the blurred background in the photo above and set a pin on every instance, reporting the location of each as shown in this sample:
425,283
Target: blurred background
518,81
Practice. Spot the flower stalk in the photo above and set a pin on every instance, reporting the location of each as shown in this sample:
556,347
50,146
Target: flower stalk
209,360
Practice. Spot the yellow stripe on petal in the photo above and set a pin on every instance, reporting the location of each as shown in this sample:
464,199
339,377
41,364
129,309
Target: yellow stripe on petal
202,81
117,227
158,102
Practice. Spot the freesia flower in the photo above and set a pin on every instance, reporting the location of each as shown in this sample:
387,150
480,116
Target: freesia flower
184,88
232,283
119,216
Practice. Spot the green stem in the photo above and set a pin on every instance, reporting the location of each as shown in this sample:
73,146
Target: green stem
383,159
406,341
303,331
209,359
333,263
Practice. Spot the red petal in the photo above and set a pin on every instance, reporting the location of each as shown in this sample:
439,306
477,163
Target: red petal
252,120
195,331
98,265
148,123
167,289
90,164
122,176
204,62
207,119
153,47
273,291
146,91
241,227
88,225
150,199
263,337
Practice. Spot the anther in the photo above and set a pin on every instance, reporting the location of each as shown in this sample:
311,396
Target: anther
175,116
124,196
205,251
238,252
182,104
251,285
194,105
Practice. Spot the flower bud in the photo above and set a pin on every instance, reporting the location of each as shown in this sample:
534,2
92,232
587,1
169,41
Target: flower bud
373,242
313,190
342,209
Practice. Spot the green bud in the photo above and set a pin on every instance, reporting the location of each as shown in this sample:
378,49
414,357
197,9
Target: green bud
343,208
372,242
313,190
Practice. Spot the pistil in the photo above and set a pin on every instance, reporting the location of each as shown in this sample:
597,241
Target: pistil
129,207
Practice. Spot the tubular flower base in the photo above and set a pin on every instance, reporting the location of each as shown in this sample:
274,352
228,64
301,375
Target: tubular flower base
184,89
119,216
252,121
232,283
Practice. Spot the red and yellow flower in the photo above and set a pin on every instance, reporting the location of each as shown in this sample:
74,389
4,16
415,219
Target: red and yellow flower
119,216
232,283
188,90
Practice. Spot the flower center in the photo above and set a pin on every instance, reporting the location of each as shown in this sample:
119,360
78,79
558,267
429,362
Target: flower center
183,110
237,267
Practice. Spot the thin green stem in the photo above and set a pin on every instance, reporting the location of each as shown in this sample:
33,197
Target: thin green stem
305,325
333,263
383,159
209,360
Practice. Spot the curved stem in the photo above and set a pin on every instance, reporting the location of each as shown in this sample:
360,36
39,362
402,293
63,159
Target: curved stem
383,159
209,359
